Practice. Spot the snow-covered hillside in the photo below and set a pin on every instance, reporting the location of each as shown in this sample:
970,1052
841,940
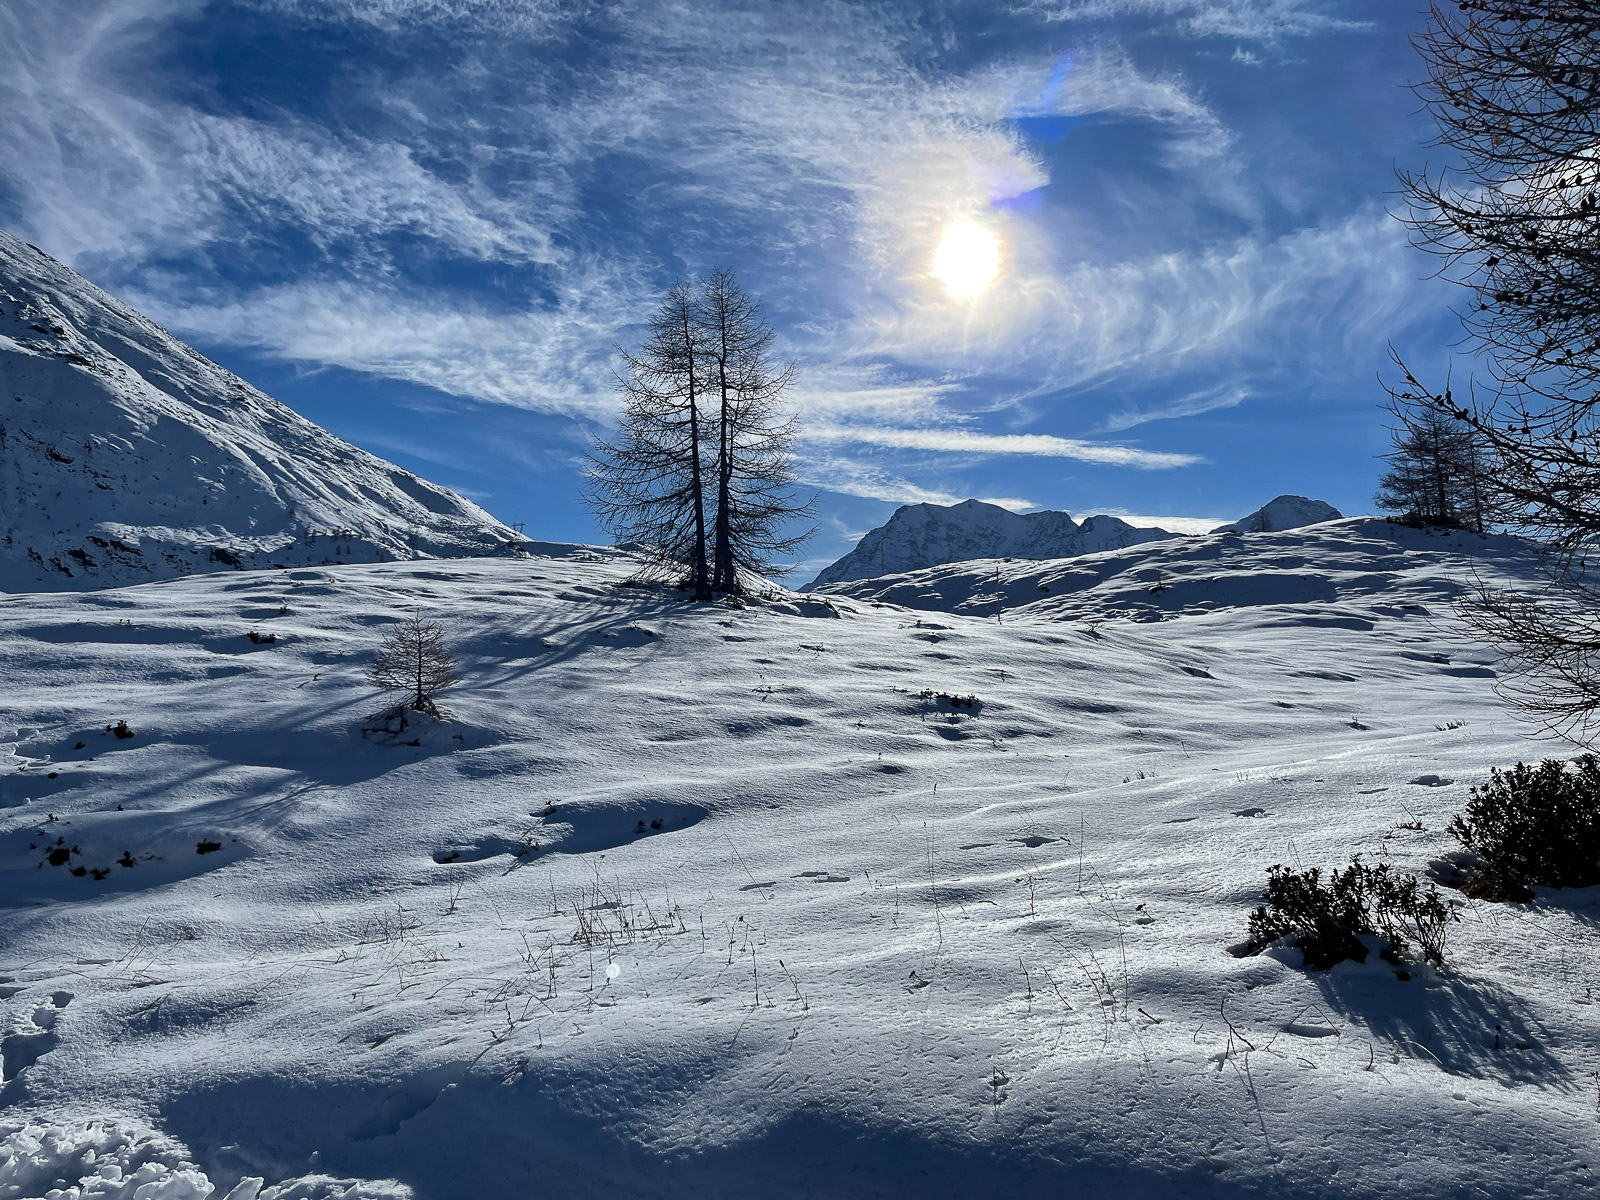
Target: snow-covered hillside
816,897
127,456
1281,513
924,535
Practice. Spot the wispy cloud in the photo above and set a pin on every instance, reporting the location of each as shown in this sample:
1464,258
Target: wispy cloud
1053,328
963,441
1148,521
1193,404
1251,20
460,220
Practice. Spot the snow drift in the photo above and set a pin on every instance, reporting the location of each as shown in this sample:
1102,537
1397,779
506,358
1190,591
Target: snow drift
127,456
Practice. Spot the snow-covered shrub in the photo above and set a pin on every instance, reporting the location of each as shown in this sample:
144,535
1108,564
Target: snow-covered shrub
1328,920
1323,919
1533,827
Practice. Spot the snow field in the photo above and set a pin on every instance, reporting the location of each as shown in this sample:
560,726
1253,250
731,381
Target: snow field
736,901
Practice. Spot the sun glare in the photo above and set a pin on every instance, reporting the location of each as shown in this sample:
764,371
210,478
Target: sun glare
967,261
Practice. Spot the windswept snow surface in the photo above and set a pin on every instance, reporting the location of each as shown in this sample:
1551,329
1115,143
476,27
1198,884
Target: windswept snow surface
925,535
126,456
693,901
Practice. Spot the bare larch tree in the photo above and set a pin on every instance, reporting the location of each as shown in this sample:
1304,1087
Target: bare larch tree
700,473
755,501
647,484
1514,86
414,660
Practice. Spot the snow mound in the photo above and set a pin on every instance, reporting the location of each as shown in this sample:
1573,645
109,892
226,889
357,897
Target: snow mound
925,535
127,456
1285,512
107,1160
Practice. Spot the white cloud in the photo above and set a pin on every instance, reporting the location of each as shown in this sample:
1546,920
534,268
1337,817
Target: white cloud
967,442
812,137
1204,401
1253,20
1054,329
1169,523
102,169
556,360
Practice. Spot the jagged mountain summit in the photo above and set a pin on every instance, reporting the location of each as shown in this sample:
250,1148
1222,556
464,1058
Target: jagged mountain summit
926,535
919,536
127,456
1284,512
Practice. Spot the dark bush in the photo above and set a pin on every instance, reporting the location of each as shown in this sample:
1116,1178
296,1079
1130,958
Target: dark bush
1533,827
1327,920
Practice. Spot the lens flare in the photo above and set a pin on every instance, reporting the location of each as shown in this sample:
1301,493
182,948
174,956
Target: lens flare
967,260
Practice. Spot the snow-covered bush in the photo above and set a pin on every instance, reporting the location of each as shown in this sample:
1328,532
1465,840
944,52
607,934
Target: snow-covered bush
1533,827
1327,920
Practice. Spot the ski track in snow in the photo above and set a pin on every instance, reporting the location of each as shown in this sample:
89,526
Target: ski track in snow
707,900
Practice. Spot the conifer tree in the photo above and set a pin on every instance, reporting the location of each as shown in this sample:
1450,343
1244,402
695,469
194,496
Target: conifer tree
700,474
1514,88
647,484
415,660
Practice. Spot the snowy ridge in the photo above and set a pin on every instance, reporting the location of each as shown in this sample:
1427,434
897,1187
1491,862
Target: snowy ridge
1329,564
1283,512
126,456
801,898
924,535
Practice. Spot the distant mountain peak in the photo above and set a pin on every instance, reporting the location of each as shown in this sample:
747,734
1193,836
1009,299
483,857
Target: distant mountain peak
927,535
1281,513
127,456
918,536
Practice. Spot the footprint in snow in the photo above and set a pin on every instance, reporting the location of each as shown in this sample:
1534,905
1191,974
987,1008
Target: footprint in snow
22,1049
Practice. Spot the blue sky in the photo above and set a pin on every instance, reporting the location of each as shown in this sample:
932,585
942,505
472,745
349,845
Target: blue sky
426,223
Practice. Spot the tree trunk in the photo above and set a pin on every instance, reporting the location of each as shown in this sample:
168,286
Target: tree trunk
702,587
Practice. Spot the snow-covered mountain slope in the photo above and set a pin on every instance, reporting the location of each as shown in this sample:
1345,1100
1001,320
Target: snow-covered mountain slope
924,535
1364,559
127,456
1283,512
705,901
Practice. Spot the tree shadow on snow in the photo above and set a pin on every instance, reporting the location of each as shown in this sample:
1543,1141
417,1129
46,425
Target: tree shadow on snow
1467,1026
451,1132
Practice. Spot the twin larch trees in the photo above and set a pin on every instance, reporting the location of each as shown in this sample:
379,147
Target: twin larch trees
700,473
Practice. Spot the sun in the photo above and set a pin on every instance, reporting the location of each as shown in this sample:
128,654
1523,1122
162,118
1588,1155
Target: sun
967,260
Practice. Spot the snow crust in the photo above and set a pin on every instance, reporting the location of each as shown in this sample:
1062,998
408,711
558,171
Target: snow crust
1284,512
819,896
924,535
127,456
123,1160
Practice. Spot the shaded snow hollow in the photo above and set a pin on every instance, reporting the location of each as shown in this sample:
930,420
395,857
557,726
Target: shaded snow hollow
126,456
928,535
806,898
